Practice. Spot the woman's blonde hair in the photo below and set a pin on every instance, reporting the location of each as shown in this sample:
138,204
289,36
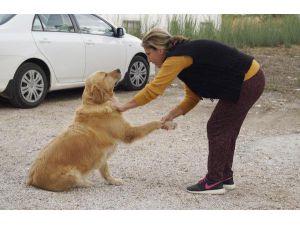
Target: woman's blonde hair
160,39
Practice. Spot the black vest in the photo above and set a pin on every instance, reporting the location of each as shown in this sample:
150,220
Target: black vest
217,71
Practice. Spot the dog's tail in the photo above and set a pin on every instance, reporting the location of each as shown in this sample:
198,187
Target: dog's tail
29,179
31,174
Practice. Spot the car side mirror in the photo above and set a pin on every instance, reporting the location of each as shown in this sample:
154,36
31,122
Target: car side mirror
120,32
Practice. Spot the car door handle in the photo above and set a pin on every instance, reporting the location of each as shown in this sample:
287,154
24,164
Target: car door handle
90,42
45,41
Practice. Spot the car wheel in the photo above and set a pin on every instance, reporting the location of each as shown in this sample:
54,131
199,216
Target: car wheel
29,87
137,75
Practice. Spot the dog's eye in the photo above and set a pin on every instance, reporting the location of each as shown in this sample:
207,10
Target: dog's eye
105,75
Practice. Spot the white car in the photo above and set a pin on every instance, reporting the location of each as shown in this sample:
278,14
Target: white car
45,52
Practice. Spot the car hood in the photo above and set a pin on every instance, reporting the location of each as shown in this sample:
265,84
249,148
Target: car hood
133,39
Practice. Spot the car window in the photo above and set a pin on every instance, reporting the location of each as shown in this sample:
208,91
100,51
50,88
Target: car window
90,24
37,25
56,22
5,17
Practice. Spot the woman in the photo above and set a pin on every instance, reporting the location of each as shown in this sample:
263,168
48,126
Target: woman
212,70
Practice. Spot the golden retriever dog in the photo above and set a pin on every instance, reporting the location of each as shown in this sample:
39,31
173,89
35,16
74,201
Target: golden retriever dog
89,141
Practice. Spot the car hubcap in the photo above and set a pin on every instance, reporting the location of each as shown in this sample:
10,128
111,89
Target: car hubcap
138,74
32,86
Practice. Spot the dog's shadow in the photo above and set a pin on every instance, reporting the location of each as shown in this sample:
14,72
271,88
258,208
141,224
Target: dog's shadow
62,95
56,96
71,94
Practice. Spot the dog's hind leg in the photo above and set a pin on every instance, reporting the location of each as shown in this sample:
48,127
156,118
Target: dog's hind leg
84,182
80,180
104,171
66,179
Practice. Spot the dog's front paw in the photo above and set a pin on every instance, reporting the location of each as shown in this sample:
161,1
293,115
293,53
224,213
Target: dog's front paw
115,181
169,125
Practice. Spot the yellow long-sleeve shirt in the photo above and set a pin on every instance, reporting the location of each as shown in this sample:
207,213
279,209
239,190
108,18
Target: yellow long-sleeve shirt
169,70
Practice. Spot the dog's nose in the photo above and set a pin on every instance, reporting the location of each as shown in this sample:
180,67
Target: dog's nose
116,73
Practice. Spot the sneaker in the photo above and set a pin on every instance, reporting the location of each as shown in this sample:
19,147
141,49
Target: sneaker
228,184
206,186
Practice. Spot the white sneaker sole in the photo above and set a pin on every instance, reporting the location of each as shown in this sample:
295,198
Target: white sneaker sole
212,192
229,187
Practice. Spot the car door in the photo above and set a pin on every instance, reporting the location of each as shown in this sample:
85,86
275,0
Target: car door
104,52
63,48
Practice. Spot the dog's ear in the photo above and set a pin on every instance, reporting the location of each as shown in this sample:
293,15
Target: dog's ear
97,94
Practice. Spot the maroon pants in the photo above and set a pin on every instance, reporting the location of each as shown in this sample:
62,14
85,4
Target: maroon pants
224,126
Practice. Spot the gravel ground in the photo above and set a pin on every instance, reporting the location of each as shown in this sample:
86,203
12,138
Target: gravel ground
157,169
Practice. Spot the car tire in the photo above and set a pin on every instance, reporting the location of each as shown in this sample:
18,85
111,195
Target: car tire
29,87
137,75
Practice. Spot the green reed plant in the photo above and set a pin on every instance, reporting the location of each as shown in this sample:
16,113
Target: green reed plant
236,30
260,30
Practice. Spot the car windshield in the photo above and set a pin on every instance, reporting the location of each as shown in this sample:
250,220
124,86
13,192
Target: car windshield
5,17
